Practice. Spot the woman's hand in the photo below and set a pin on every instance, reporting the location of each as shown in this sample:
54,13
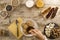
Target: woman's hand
37,33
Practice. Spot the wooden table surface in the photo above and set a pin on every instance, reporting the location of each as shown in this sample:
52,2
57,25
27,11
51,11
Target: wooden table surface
24,12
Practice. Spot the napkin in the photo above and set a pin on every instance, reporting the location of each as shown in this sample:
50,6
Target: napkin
13,28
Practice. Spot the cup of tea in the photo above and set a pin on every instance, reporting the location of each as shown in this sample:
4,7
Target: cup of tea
29,3
8,7
15,2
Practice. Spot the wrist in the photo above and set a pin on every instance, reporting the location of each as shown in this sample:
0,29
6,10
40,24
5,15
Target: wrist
42,37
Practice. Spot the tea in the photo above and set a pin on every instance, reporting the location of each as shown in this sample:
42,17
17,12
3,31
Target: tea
8,7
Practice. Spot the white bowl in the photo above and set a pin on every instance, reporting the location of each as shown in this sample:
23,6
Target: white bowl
29,3
35,26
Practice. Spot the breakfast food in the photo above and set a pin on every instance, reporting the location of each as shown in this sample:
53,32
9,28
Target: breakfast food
48,29
27,26
46,10
54,13
52,30
24,25
30,23
50,12
39,3
55,32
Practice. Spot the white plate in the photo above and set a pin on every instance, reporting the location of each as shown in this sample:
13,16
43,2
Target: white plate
35,26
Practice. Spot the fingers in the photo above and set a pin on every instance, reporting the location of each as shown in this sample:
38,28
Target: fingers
37,32
34,31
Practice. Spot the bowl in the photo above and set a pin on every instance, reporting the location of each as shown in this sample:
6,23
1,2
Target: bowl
29,3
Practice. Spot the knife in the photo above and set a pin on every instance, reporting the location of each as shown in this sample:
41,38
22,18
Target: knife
17,28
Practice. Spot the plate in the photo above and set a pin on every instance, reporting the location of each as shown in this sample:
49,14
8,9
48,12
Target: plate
51,30
35,26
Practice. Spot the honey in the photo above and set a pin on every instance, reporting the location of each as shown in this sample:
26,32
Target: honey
39,3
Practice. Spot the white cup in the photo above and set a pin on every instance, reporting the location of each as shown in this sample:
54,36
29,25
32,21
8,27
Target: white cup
29,3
